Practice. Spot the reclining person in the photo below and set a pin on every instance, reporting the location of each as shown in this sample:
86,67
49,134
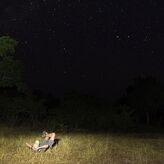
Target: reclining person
49,140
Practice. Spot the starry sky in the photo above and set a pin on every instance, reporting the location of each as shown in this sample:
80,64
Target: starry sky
95,47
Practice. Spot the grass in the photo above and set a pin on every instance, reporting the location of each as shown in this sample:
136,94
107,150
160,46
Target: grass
83,148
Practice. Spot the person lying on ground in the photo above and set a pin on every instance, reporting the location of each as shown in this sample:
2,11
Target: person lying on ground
49,140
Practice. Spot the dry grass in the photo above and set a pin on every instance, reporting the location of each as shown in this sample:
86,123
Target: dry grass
81,148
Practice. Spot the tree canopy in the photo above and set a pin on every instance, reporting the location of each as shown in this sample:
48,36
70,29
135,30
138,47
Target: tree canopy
11,69
7,46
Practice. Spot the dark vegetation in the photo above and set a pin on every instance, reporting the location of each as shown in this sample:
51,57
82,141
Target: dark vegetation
141,107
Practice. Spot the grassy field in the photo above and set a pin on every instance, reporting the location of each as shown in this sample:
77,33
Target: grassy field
83,148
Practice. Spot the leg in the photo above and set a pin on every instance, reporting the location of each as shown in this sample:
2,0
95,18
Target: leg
29,146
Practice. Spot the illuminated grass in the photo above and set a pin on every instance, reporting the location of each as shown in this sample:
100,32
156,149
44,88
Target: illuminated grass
81,148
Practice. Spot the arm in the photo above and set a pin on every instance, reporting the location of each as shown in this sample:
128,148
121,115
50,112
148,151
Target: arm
51,136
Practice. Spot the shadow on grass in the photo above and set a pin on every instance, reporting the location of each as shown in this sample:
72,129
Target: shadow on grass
56,142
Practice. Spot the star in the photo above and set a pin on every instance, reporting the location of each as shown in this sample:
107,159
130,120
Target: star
118,37
128,36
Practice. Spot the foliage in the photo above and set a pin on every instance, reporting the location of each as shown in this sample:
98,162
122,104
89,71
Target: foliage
146,96
7,46
11,69
22,110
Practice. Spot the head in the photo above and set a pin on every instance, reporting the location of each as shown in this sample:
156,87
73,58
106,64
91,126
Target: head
44,134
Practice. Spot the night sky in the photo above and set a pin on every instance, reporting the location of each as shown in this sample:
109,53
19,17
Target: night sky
95,47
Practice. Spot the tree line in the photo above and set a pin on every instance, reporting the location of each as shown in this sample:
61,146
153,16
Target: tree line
140,108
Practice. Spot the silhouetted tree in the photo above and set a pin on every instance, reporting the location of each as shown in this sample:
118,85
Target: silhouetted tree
11,69
17,106
146,96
